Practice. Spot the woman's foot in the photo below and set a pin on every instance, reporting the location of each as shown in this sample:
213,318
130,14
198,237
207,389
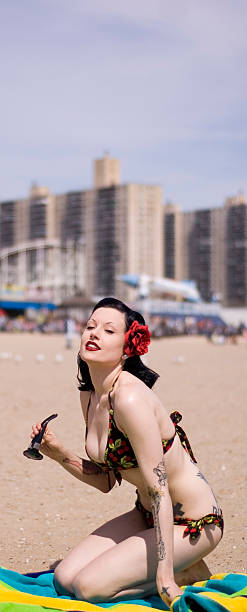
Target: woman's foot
196,573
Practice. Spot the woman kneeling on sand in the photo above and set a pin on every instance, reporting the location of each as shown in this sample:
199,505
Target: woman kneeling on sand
176,520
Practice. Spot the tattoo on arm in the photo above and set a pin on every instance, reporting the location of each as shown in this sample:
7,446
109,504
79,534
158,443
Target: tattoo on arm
86,467
160,471
73,462
156,495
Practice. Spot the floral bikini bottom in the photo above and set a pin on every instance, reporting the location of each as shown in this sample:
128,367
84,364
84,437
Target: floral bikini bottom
193,527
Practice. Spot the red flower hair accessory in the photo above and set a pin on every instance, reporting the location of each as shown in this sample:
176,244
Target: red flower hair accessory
137,339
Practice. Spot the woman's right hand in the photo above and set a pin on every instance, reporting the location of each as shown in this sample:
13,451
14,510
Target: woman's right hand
50,445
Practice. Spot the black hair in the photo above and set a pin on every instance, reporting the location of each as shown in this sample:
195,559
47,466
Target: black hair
134,365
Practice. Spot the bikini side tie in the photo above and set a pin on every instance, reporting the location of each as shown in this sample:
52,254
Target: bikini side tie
194,527
176,417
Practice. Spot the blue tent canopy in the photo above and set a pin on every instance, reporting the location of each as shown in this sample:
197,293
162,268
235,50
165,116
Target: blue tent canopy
14,305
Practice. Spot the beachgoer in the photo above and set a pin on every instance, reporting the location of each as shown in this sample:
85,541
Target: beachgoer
70,329
129,435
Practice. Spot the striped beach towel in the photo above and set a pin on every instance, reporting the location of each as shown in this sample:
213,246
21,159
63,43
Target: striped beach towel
36,593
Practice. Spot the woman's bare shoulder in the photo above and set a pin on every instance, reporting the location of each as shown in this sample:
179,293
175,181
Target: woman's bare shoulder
134,393
130,387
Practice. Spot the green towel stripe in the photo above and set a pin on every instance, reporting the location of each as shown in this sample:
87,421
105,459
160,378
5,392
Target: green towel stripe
20,607
7,586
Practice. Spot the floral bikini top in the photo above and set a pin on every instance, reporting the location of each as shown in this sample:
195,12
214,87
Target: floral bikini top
119,454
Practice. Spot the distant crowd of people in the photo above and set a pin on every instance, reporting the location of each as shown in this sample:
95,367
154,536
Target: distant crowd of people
42,324
214,329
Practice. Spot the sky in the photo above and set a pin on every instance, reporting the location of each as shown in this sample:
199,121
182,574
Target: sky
160,85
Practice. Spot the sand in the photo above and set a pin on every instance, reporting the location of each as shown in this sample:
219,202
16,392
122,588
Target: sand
45,511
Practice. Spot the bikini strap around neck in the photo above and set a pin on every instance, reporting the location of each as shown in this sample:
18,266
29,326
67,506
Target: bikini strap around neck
109,398
86,419
111,389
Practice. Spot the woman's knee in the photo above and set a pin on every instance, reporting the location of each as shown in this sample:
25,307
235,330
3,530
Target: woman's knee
84,588
87,588
62,580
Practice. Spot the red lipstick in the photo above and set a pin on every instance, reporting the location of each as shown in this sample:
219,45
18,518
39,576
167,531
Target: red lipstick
92,346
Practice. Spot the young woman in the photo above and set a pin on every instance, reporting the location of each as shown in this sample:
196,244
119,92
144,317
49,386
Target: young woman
176,520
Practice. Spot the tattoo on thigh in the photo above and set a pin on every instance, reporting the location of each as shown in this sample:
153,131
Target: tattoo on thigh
156,495
160,471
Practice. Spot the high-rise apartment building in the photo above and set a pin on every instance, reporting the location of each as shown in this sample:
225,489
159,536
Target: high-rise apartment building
56,246
236,251
81,241
124,237
106,172
173,241
124,231
39,259
210,247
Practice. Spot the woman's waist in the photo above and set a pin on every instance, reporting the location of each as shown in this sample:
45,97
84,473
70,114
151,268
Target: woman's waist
193,490
188,499
182,510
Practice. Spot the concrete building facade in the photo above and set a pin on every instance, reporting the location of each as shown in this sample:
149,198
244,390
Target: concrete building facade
124,236
106,172
174,263
54,246
39,261
82,242
236,251
210,247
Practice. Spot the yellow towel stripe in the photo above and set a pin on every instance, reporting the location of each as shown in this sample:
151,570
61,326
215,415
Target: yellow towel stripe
234,604
65,604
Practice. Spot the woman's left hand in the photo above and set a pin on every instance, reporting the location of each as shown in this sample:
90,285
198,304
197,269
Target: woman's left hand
167,588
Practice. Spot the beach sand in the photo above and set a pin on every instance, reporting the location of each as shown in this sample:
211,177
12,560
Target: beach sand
45,511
